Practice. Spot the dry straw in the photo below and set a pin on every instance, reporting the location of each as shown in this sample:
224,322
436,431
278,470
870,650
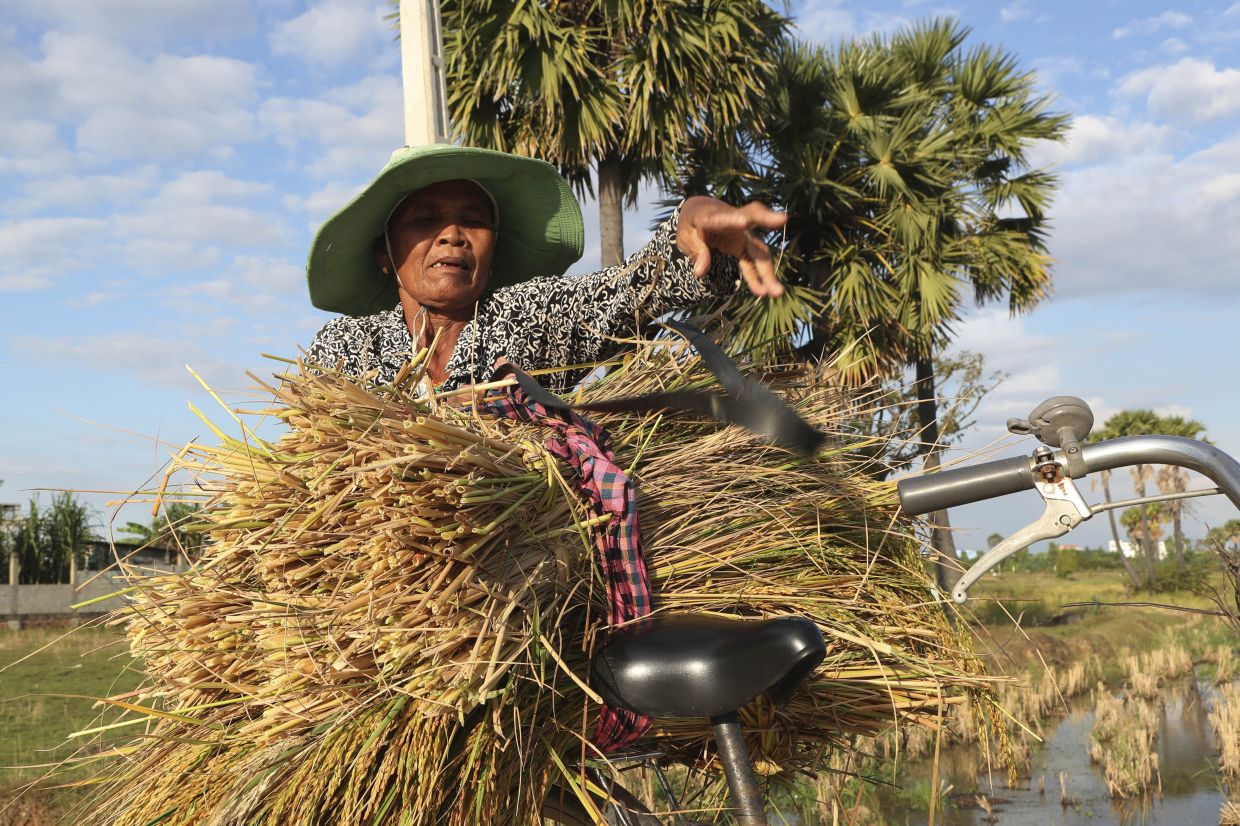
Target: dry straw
1123,742
1225,718
392,619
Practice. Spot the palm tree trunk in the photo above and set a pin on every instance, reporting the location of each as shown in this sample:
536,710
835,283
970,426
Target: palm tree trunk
946,562
1119,547
1179,482
1147,541
1178,528
611,210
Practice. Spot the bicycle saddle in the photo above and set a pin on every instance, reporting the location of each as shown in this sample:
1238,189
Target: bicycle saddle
687,665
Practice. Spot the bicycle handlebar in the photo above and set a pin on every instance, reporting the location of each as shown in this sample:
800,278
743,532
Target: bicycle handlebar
962,486
989,480
1207,460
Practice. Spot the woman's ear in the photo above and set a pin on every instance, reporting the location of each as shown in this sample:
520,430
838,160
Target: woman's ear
382,259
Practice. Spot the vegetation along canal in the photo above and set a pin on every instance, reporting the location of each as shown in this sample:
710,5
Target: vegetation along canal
1187,761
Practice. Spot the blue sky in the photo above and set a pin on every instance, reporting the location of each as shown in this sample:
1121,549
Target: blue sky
163,167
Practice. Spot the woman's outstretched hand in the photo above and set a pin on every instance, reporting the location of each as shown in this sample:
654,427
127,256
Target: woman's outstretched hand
707,224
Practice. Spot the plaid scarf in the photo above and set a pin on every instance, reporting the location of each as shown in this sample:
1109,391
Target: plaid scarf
585,446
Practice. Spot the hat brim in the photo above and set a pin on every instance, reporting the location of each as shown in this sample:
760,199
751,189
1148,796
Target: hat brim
541,231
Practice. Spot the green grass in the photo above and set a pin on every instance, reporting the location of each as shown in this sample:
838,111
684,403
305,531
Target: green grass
1062,634
38,668
1105,586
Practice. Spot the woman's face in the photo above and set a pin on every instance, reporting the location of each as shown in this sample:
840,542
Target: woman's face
443,239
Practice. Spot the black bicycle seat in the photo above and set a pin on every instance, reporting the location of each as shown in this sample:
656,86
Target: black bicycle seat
687,665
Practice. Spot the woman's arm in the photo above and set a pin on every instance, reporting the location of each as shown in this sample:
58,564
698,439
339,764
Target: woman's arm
550,322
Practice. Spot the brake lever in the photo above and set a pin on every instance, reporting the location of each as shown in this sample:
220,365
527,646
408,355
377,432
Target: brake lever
1065,509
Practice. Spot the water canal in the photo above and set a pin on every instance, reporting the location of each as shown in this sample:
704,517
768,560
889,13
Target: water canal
1191,788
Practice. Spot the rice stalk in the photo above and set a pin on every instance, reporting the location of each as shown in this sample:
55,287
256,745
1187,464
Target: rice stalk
1225,718
1123,743
393,616
1149,671
1226,665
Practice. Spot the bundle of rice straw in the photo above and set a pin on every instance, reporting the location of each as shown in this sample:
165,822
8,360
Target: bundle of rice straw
393,618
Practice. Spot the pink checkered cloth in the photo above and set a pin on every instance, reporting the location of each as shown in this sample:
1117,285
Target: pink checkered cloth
584,445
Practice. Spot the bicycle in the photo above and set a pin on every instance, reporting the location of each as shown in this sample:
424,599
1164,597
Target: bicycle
700,667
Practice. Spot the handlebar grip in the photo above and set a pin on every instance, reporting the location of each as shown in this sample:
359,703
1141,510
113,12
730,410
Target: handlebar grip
960,486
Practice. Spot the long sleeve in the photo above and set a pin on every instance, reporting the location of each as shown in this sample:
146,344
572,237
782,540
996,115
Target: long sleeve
376,345
549,322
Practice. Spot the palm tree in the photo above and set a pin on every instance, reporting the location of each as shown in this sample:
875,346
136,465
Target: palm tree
69,530
50,542
170,530
1104,479
1174,479
1144,524
1226,534
615,91
1133,423
903,162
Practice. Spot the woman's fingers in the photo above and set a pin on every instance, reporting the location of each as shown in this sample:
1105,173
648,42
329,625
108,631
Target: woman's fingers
760,215
758,270
692,242
754,257
707,224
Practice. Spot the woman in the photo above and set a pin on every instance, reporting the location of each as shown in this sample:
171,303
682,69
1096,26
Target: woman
443,248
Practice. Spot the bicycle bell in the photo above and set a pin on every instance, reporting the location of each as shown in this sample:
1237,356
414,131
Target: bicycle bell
1062,422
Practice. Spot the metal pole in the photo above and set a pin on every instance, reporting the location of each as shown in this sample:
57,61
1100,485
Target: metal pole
422,72
746,799
15,573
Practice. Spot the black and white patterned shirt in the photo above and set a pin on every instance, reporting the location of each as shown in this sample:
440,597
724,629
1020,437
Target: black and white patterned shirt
545,322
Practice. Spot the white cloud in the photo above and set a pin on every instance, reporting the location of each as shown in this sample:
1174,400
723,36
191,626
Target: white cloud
24,87
159,361
1052,71
195,216
827,25
1019,10
1150,25
335,33
32,148
1012,347
79,193
123,106
35,251
1181,410
190,223
1093,138
354,128
258,285
1174,46
24,282
829,21
323,202
92,299
1150,223
1191,89
144,21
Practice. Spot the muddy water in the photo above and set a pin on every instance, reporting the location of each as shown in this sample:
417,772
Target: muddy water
1187,755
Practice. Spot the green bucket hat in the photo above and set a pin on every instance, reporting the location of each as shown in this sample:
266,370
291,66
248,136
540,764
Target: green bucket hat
540,230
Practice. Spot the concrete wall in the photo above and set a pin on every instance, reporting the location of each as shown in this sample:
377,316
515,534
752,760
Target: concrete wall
23,602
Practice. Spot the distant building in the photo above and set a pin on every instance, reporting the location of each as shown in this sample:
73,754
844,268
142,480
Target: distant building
1131,551
137,554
